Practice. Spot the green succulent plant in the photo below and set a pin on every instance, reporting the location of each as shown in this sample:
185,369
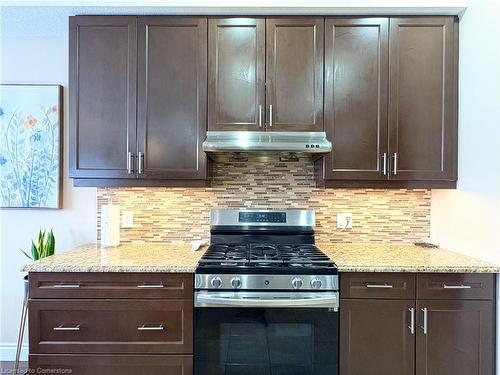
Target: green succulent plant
45,246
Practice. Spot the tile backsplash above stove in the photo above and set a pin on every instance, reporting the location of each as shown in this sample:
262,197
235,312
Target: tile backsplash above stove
181,214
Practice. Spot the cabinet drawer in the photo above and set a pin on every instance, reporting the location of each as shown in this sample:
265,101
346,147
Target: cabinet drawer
377,285
112,364
456,286
110,285
117,326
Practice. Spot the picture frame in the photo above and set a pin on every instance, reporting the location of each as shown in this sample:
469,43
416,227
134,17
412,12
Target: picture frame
31,146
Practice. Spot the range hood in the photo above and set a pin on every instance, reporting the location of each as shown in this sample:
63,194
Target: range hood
267,142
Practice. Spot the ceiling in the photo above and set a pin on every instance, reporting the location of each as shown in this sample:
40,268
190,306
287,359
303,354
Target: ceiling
222,7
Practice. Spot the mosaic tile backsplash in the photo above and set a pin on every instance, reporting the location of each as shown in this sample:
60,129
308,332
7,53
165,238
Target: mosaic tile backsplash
181,214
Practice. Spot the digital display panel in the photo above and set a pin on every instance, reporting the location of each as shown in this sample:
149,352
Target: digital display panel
262,217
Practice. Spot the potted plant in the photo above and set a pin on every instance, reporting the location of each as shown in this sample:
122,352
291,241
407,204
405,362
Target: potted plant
44,247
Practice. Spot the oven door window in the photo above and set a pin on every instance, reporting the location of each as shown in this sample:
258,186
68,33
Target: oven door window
266,341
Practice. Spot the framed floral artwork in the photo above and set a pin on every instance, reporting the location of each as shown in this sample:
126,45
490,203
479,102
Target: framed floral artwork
31,146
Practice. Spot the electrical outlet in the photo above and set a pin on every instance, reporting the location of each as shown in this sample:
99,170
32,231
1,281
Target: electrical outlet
127,219
344,220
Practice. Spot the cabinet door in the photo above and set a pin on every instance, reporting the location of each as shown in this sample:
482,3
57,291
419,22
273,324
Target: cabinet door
236,69
375,337
294,74
356,68
423,98
459,338
102,96
172,93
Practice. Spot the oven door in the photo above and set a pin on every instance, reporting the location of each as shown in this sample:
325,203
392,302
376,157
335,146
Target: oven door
266,333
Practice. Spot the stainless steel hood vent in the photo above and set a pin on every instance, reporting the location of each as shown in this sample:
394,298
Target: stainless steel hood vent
267,142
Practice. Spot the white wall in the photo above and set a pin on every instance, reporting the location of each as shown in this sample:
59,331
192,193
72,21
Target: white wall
468,219
34,49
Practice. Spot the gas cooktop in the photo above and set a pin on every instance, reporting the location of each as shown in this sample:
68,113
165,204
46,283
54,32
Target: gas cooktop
258,255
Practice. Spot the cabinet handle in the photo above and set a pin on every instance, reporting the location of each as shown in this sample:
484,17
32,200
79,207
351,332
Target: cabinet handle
260,116
395,164
380,286
130,163
384,162
66,286
146,328
412,320
63,328
151,286
424,326
270,115
140,162
461,286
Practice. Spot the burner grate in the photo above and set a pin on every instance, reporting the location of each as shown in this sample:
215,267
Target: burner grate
265,255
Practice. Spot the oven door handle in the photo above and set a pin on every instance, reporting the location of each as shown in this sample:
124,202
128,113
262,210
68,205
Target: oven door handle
266,299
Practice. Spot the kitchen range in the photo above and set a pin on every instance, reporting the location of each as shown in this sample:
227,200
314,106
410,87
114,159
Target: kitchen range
266,298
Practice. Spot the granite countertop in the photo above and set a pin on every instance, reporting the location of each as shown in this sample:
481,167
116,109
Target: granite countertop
180,258
402,258
175,257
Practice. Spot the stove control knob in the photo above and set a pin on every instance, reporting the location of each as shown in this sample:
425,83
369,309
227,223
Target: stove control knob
297,283
216,282
236,282
316,283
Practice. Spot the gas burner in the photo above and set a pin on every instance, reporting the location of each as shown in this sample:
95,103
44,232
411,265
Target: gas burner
264,254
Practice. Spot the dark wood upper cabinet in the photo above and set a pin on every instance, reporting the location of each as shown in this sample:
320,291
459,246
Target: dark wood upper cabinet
236,70
423,98
144,90
356,74
172,94
459,338
375,337
294,74
102,95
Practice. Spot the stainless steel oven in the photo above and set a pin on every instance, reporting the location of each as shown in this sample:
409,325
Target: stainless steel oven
266,298
266,333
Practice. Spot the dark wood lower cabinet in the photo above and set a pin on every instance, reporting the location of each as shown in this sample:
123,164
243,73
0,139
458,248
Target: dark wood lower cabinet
111,364
111,323
375,337
459,338
94,330
452,315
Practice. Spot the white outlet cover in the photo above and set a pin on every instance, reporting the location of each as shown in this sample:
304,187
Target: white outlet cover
127,219
344,220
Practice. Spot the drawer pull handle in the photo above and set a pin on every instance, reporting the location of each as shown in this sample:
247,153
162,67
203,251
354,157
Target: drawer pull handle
151,286
66,286
63,328
380,286
146,328
456,286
